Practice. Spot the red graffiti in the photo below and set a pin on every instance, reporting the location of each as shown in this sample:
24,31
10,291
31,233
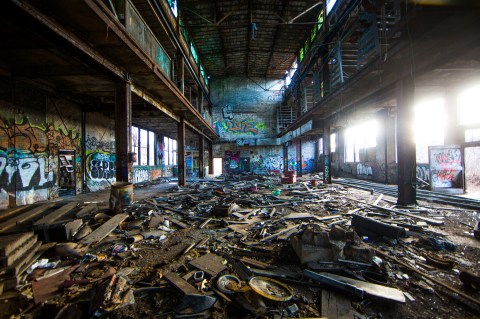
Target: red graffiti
445,176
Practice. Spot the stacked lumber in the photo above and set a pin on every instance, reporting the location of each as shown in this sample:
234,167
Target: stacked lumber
17,253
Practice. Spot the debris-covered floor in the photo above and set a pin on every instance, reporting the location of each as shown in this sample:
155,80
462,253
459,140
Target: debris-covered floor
240,247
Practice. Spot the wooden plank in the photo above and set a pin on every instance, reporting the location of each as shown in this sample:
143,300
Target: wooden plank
336,306
87,210
29,214
176,222
55,215
289,228
17,267
16,254
12,211
11,242
105,229
212,264
180,283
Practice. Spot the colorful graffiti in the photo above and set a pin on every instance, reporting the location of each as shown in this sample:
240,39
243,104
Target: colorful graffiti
268,163
446,159
92,143
239,127
100,170
232,162
308,166
140,175
446,178
28,158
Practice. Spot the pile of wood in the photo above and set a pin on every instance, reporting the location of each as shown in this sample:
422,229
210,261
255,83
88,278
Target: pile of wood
17,253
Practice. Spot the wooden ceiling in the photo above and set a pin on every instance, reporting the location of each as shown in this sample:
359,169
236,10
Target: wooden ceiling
222,32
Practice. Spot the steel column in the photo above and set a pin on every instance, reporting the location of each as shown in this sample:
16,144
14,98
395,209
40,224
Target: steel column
181,152
327,167
123,116
201,157
407,192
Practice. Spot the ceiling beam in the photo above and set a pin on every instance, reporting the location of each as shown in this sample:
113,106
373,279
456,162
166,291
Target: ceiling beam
222,41
247,64
275,36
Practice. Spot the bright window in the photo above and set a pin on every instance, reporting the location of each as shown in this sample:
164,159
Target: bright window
330,5
151,148
143,144
173,7
429,126
143,147
360,137
170,153
472,135
469,106
333,142
135,146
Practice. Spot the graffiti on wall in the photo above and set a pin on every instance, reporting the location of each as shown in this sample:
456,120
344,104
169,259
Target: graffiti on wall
447,158
423,172
28,158
308,166
232,162
445,178
92,143
268,163
100,170
23,171
140,175
364,169
231,124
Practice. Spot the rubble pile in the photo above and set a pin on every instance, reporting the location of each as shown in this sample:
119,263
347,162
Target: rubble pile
247,246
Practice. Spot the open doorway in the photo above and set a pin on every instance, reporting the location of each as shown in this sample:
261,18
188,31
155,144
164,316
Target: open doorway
217,166
66,172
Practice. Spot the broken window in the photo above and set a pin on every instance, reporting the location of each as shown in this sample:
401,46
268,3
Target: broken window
469,113
135,146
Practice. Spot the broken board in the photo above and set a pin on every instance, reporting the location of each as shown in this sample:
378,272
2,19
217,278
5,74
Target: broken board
28,214
180,283
104,230
212,264
10,243
336,306
369,288
53,216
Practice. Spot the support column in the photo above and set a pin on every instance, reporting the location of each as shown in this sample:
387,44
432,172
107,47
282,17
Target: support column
201,157
315,156
299,158
327,165
210,158
407,192
123,116
285,158
181,152
180,71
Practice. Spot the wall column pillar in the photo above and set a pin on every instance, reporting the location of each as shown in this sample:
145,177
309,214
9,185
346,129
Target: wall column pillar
201,157
327,165
123,118
181,152
407,192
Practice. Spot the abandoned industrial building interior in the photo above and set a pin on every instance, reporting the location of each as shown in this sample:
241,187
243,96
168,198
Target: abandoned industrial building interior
240,159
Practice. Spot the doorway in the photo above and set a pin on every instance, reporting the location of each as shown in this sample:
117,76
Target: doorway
66,172
217,166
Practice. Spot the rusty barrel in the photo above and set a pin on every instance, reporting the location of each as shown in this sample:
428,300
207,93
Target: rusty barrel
121,195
